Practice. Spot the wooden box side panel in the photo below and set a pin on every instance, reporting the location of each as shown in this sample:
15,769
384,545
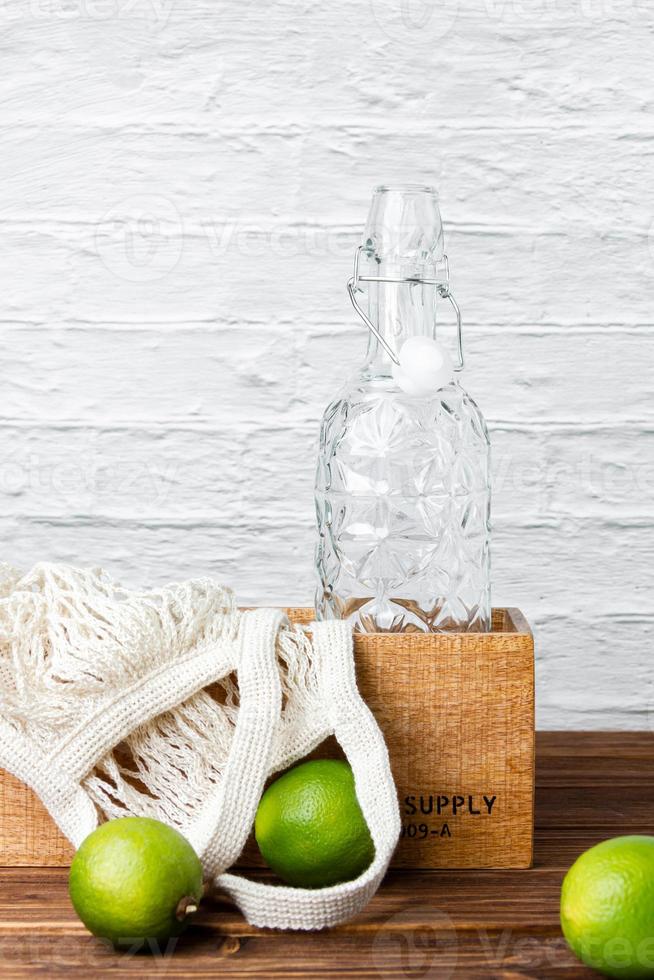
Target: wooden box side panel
29,836
460,731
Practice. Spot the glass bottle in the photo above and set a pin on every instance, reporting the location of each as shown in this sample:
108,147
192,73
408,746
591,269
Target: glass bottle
403,484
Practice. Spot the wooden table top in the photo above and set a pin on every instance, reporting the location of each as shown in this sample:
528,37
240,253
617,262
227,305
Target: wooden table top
590,786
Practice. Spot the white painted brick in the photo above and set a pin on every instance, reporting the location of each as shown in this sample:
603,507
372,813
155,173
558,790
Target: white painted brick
196,471
546,568
257,371
595,673
56,270
599,471
511,195
173,472
163,379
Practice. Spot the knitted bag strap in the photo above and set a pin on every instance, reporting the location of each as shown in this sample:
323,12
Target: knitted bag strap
62,795
281,907
222,828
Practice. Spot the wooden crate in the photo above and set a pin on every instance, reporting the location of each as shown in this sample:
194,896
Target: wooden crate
457,711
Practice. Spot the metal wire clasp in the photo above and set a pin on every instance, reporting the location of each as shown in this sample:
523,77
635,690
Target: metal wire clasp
443,288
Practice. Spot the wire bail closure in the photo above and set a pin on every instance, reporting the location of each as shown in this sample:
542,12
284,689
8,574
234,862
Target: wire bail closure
443,288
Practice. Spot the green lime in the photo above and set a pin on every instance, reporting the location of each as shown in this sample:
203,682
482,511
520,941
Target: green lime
135,879
607,907
310,828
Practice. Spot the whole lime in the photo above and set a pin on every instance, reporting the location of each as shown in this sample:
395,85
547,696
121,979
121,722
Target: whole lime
607,907
135,879
310,828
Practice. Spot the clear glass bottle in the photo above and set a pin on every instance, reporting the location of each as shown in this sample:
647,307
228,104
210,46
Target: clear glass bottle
403,484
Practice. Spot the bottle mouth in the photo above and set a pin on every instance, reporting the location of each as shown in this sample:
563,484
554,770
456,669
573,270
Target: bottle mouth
406,189
403,236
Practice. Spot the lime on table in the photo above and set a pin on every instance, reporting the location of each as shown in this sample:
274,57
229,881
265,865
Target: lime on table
607,907
310,828
135,879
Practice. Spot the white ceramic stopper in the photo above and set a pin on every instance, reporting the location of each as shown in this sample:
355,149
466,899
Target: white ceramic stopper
425,366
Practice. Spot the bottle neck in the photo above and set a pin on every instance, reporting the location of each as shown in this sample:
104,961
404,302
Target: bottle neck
399,311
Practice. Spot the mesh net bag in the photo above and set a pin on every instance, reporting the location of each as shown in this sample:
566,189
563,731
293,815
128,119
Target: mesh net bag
175,704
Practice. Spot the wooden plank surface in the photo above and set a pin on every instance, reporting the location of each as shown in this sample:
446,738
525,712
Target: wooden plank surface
500,924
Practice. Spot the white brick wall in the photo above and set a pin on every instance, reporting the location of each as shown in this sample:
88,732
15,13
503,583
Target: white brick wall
181,188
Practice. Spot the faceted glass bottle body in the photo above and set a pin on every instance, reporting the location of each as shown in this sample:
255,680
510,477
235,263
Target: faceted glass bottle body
403,492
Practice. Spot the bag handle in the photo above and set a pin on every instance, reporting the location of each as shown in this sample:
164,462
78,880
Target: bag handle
351,721
227,817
